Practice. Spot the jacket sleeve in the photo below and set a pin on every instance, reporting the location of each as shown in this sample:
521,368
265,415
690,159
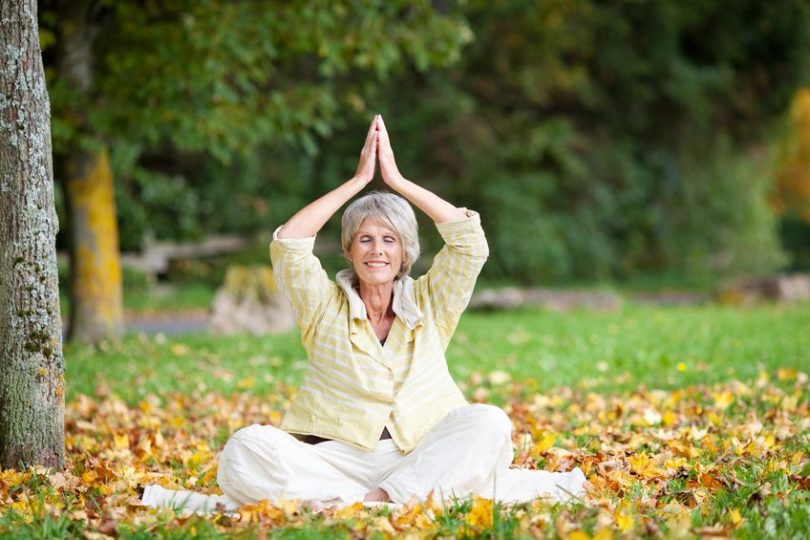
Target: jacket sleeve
447,287
301,278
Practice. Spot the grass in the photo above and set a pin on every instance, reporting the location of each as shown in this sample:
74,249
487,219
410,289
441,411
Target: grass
604,352
622,357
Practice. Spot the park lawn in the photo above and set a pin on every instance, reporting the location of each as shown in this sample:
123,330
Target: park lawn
655,347
687,421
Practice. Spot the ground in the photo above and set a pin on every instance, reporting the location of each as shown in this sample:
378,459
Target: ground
688,422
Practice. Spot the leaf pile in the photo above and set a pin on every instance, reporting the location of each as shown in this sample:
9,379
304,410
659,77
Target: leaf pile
722,460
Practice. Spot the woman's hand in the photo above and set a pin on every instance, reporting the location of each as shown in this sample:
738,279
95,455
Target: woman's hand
439,210
368,155
388,166
310,219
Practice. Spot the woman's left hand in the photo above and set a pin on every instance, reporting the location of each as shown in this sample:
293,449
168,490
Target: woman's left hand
368,155
385,155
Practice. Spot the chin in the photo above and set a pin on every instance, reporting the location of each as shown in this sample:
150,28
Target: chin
377,281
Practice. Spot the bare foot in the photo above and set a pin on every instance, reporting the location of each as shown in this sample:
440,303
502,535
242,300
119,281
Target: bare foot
377,495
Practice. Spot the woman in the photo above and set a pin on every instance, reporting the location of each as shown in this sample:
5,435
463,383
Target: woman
378,417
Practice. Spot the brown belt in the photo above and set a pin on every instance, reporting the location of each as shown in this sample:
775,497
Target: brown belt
314,439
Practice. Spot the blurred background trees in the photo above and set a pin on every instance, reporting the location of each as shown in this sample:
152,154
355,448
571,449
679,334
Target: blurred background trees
182,93
600,140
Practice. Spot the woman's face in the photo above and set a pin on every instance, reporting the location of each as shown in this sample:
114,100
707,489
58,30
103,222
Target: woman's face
376,253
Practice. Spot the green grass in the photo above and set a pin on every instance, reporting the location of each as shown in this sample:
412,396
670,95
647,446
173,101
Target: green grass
604,352
608,353
639,345
181,297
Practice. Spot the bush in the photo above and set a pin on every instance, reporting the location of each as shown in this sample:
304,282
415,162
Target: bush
717,219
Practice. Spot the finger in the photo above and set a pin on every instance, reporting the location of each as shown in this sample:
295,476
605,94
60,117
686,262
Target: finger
372,130
383,132
374,145
374,149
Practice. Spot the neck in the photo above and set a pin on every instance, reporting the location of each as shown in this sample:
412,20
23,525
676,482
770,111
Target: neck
378,299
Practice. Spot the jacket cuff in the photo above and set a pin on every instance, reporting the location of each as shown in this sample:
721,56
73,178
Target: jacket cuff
450,230
293,244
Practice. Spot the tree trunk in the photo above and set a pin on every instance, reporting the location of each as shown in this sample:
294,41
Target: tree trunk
96,311
31,360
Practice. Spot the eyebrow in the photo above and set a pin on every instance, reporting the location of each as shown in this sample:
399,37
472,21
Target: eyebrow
366,233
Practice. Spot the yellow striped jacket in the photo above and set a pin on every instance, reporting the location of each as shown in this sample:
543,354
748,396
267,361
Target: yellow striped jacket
354,386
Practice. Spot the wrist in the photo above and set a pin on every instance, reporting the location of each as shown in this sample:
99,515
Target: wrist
358,181
398,183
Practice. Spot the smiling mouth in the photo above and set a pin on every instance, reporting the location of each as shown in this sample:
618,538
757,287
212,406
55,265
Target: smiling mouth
376,264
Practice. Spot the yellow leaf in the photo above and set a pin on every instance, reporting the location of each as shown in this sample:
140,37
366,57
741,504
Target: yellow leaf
384,524
246,383
735,517
42,371
200,456
675,462
644,466
146,406
786,374
579,535
604,533
422,521
715,419
545,442
349,511
669,418
681,367
179,349
623,521
723,399
481,513
121,441
12,477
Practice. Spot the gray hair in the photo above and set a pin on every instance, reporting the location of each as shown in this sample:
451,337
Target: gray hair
390,209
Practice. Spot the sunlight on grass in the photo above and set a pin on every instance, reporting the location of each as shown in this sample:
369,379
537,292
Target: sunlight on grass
686,421
655,347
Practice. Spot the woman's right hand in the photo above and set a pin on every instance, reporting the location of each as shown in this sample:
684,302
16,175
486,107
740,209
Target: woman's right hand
309,220
368,155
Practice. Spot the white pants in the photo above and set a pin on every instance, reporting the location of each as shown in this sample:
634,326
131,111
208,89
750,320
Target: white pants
467,453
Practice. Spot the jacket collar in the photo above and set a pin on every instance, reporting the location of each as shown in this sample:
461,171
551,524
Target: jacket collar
404,305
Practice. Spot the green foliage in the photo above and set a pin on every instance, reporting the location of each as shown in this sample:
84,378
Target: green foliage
184,89
603,140
585,154
598,139
225,77
717,220
795,236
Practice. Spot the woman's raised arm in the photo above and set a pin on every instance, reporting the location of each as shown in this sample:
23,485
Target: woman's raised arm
439,210
309,220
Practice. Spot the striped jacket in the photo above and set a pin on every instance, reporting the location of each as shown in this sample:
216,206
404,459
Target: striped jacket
354,386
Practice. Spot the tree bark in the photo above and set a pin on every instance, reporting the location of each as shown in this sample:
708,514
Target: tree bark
96,311
31,359
96,284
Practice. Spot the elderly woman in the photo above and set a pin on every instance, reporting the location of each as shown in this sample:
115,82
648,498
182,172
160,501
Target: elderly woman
378,416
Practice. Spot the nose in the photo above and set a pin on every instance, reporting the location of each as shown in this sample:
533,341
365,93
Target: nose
377,246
